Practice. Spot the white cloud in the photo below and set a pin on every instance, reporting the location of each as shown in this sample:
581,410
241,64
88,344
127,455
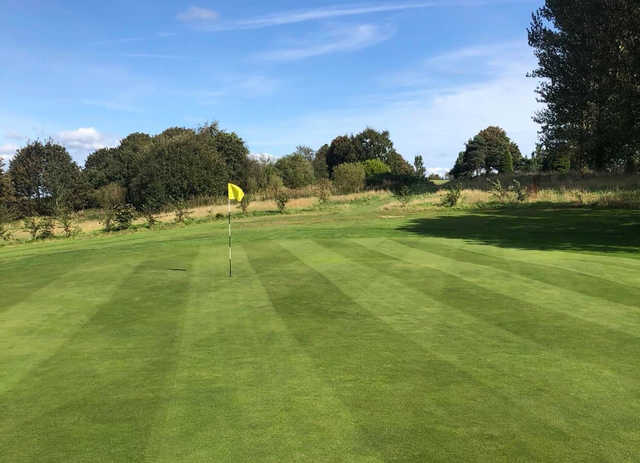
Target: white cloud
335,41
441,171
195,13
265,158
83,140
314,14
433,118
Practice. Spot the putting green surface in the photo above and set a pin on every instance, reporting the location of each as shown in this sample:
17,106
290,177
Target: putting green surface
446,337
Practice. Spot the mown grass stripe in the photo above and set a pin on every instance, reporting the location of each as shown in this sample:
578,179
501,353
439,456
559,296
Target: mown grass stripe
408,403
97,396
243,388
497,358
565,279
584,340
512,284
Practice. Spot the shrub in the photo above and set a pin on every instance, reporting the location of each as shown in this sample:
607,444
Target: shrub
5,217
373,167
149,214
324,189
521,192
498,191
244,204
452,196
219,216
32,225
183,214
124,215
47,228
282,198
349,177
403,195
68,221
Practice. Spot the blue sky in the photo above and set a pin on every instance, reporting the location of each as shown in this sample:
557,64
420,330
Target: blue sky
279,73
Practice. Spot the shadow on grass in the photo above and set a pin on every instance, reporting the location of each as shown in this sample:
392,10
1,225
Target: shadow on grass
540,228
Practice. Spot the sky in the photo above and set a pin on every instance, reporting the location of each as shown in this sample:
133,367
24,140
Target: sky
279,73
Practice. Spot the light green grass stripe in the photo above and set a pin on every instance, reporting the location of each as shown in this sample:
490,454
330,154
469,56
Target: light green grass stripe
409,404
34,329
545,286
490,354
244,390
608,355
553,329
573,279
97,396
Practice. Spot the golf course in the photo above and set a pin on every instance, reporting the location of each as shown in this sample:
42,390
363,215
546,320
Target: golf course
348,333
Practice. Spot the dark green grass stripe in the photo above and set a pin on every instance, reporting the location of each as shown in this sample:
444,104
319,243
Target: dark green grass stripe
409,404
586,341
589,285
96,398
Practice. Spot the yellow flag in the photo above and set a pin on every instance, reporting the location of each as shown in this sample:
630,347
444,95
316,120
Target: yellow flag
235,192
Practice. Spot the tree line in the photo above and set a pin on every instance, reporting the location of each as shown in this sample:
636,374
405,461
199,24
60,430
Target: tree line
147,173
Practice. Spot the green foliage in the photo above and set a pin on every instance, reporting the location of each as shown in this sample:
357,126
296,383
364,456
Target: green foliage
491,150
282,198
521,192
373,167
452,195
150,216
588,65
68,220
324,188
182,212
244,204
40,227
349,177
403,195
42,174
498,191
6,216
296,170
124,214
320,167
419,168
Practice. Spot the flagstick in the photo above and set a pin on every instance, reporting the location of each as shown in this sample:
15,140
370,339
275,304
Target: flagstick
229,205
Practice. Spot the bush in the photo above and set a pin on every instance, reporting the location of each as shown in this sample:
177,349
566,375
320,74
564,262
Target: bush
282,198
47,228
403,195
349,177
5,217
183,214
373,167
521,192
68,221
452,196
324,189
244,204
149,214
124,216
219,216
498,191
32,225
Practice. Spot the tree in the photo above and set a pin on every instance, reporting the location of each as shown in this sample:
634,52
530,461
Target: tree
418,165
497,150
341,150
589,59
349,177
296,170
231,148
306,152
6,186
45,174
320,167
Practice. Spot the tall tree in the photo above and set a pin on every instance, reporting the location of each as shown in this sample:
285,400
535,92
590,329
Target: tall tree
320,168
589,59
45,174
296,170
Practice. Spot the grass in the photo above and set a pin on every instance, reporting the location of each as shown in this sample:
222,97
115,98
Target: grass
346,334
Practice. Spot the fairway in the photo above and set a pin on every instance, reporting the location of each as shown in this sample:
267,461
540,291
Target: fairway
343,336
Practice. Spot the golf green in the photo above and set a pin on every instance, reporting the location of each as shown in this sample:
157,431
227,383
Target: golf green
447,336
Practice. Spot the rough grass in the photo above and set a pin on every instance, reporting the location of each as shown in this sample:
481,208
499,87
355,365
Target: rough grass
353,335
